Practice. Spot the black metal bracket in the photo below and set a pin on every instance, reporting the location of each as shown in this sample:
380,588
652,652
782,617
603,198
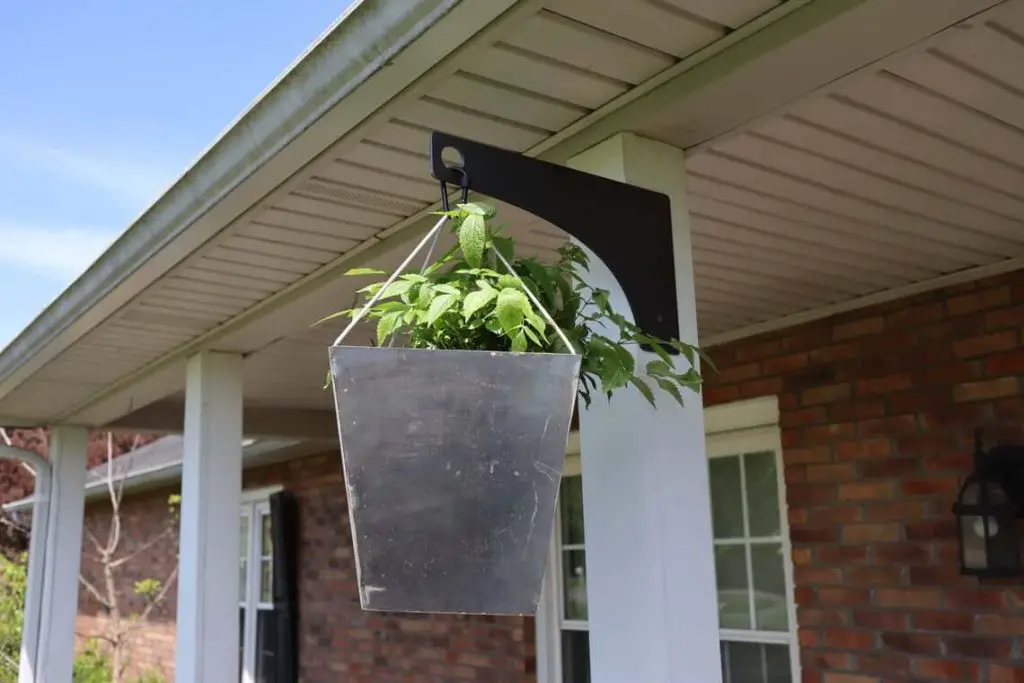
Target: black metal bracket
1003,463
628,227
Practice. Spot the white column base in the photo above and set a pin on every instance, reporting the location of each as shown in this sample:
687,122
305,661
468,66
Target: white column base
208,584
653,613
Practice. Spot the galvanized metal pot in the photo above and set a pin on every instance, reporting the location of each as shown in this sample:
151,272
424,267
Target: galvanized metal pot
452,462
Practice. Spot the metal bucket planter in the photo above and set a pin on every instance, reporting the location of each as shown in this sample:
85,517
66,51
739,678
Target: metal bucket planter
452,463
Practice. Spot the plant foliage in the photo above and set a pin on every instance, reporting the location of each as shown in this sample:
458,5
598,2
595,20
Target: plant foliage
468,300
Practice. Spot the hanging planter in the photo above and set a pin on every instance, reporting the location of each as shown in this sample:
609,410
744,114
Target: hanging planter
452,443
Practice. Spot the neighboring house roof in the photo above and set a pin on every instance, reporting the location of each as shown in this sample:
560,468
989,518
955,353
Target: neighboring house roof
159,462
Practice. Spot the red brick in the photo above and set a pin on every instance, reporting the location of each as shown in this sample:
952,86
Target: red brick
931,530
1006,317
943,621
1005,364
883,385
841,554
800,456
864,449
713,395
760,387
874,576
836,513
978,301
986,390
889,426
887,663
871,533
881,619
739,373
947,670
758,350
981,648
908,597
843,596
826,394
912,643
858,328
931,486
809,637
853,411
801,418
1000,625
986,344
832,472
818,575
785,364
998,673
837,677
849,639
891,467
827,534
915,316
836,352
867,490
817,616
829,432
906,510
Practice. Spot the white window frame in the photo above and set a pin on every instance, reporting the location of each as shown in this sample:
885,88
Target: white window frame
255,506
732,429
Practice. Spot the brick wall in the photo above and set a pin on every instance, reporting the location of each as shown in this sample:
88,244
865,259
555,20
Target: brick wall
338,641
877,412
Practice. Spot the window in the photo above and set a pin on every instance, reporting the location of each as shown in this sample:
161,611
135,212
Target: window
754,583
256,613
751,545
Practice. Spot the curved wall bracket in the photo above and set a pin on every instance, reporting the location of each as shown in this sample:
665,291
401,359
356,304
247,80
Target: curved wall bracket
628,227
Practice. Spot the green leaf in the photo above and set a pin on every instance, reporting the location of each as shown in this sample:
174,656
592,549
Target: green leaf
509,281
474,301
439,306
504,246
397,288
364,271
669,387
473,238
519,342
332,316
644,389
413,277
478,209
510,309
387,325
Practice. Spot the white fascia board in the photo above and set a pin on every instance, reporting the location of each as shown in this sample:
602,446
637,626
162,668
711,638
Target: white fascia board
366,38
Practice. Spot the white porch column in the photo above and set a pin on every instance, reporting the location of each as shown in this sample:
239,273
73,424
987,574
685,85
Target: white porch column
211,489
652,606
63,554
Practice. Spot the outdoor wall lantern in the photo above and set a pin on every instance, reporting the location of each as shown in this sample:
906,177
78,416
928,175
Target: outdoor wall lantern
988,510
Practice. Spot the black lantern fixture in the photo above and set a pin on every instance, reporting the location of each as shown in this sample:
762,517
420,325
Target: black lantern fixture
988,508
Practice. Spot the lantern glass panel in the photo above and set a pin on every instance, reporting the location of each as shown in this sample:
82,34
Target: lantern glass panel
988,531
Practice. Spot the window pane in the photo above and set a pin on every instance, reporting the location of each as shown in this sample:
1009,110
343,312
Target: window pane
266,646
733,589
243,580
769,587
243,546
571,497
575,657
777,664
241,643
742,663
574,584
762,494
268,542
266,581
726,503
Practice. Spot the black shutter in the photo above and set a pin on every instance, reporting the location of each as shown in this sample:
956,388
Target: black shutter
284,528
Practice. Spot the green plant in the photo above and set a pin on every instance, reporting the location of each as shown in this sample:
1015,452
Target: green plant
469,299
12,608
91,665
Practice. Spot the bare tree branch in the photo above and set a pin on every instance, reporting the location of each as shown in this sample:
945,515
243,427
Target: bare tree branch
93,591
125,559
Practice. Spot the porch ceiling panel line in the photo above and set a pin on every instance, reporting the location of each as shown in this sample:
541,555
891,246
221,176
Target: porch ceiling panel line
713,255
306,283
912,141
835,247
794,251
742,278
890,166
837,144
856,206
915,266
802,317
286,125
972,227
789,208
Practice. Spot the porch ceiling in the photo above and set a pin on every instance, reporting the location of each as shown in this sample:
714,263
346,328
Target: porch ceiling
828,182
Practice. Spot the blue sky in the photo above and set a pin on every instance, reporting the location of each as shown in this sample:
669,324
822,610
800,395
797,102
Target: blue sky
104,103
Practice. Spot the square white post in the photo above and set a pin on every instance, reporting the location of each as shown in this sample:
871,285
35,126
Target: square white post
211,491
63,554
652,607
